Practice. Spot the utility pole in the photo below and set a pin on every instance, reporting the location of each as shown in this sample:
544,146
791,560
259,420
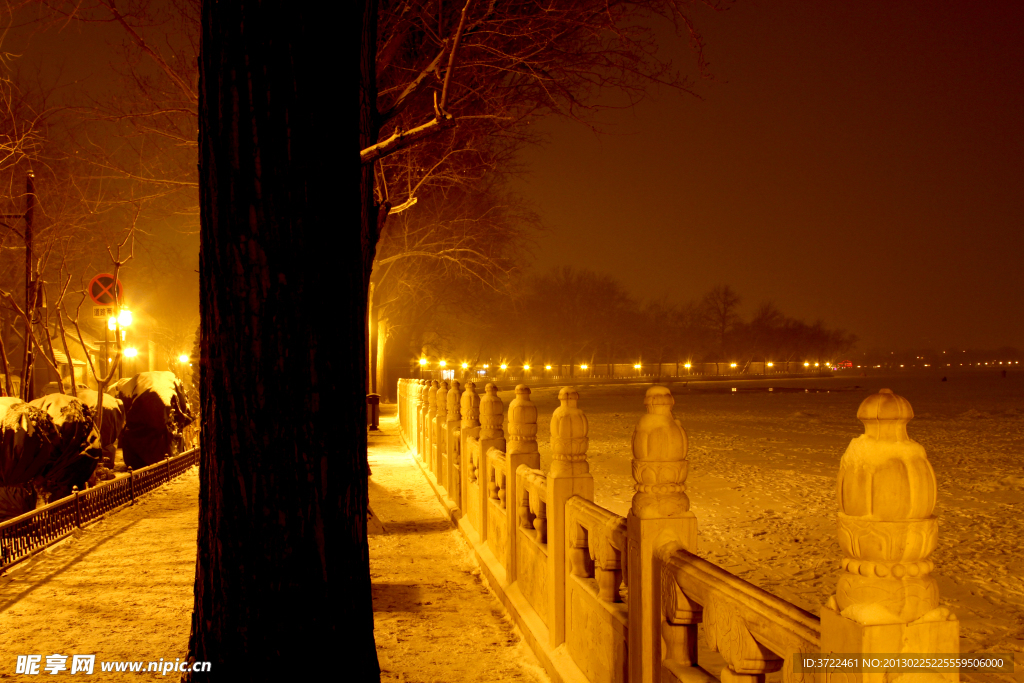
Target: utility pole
30,300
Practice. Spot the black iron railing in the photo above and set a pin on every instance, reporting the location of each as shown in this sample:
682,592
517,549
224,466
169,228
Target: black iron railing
27,534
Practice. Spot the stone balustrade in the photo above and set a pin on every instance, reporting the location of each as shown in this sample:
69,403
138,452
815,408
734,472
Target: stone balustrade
533,503
605,599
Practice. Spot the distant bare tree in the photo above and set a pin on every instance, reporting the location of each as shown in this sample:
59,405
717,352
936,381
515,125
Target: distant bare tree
720,312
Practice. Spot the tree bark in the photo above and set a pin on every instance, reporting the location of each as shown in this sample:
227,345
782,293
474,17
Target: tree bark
282,570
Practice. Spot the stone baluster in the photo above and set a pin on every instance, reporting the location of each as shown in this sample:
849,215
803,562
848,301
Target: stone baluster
451,445
470,409
428,431
414,414
569,476
886,600
439,435
491,436
421,432
521,449
401,410
660,514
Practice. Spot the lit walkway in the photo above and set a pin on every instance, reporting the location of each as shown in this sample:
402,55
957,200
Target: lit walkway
434,619
120,589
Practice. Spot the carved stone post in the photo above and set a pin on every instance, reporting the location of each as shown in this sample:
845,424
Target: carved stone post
569,476
454,484
401,408
438,431
428,428
521,450
421,423
491,436
414,414
660,514
470,409
886,602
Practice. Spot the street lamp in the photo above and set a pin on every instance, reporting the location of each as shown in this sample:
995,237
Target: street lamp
183,358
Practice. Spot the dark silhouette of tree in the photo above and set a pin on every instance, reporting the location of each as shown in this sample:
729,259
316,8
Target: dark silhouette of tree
719,309
282,572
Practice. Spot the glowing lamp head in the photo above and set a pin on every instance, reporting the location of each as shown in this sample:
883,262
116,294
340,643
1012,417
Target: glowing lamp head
504,367
423,361
636,366
687,366
771,364
131,352
111,323
486,366
584,366
183,358
465,366
732,365
526,366
443,363
547,367
806,364
816,365
124,318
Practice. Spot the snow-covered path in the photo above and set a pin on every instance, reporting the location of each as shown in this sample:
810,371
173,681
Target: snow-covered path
434,620
120,589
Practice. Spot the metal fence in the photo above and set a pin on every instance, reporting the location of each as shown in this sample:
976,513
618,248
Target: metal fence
23,536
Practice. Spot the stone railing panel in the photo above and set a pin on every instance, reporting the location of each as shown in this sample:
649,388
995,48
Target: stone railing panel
596,618
530,562
755,631
496,485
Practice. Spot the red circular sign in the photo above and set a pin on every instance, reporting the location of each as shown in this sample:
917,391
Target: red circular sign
101,289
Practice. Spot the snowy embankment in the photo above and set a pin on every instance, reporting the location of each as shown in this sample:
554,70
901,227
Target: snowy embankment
762,480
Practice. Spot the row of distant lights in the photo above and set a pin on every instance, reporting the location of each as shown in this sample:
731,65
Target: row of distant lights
584,366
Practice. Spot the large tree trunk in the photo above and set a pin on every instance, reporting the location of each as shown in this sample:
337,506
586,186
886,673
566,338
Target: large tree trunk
282,571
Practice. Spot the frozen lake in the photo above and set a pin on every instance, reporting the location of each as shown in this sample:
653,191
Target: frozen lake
763,469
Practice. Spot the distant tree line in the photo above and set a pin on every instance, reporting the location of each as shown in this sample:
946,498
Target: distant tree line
570,316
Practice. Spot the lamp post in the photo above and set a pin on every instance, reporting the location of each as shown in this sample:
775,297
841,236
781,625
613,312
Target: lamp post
130,353
123,320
